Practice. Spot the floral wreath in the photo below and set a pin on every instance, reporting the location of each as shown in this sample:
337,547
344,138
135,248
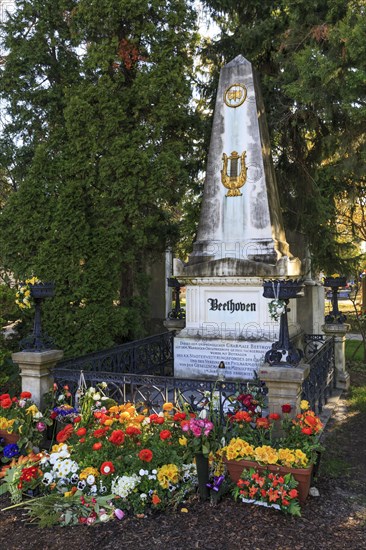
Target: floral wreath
276,307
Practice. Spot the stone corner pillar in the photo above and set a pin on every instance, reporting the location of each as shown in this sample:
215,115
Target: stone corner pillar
36,371
284,385
339,331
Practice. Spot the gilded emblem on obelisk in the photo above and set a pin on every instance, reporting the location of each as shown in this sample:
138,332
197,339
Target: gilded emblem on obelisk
234,173
235,95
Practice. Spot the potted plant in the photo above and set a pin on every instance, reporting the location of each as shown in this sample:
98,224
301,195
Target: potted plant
294,451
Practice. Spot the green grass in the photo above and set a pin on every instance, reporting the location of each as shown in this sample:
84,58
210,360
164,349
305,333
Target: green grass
351,347
358,398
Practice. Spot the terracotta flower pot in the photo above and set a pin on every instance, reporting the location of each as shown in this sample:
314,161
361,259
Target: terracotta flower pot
302,475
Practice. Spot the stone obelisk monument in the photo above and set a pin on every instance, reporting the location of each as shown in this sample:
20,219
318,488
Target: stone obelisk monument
240,240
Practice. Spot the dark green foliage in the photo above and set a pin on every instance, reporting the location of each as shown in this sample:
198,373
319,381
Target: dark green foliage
100,147
310,55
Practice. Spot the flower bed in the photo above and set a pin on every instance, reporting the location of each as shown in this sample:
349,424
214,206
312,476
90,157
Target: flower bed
109,460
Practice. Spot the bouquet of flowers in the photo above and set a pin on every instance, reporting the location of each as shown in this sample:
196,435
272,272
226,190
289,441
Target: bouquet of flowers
23,297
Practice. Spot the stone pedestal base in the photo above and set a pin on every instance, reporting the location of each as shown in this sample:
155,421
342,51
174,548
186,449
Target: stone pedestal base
339,331
284,386
36,371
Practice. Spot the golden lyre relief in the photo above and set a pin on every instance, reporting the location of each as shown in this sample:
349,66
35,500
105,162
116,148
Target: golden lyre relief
234,173
235,95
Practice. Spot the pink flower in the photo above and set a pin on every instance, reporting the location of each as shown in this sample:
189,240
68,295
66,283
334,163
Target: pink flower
41,426
119,513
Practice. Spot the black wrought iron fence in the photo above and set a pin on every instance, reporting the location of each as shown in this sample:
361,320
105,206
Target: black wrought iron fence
318,386
151,392
152,355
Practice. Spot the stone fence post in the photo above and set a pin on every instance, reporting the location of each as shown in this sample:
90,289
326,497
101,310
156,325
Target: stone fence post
339,331
284,386
36,371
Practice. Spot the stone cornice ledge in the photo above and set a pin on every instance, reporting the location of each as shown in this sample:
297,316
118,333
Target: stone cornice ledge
220,281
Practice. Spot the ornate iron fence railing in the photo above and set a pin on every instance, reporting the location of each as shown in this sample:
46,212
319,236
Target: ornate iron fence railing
152,355
318,386
150,392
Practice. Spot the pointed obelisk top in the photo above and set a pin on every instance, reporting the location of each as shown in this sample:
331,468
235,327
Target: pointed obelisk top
240,231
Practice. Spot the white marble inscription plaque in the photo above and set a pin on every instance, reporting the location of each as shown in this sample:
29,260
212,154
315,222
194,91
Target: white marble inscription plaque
200,358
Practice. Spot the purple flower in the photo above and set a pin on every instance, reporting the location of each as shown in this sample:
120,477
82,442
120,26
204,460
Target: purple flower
119,513
11,450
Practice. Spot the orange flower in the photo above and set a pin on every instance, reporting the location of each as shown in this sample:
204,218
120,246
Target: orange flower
155,499
64,434
97,446
262,423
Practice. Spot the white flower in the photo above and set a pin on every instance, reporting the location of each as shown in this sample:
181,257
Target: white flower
61,398
143,496
90,479
104,398
65,467
103,517
47,478
96,396
154,471
143,472
93,489
22,403
124,485
38,415
103,385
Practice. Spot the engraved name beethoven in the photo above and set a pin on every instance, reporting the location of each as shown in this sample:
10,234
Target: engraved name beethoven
230,305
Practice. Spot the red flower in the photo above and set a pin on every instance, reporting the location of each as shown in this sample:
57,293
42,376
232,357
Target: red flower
6,403
165,434
76,419
262,423
179,416
4,396
81,431
117,437
293,493
310,420
274,416
64,434
156,419
82,440
25,395
132,430
286,408
97,446
53,415
100,432
241,416
307,431
145,455
107,468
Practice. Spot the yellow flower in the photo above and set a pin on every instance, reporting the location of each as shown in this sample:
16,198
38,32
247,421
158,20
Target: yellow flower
168,407
286,457
68,494
183,441
266,454
304,405
301,458
6,424
168,473
89,471
33,409
32,281
238,448
109,421
335,275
